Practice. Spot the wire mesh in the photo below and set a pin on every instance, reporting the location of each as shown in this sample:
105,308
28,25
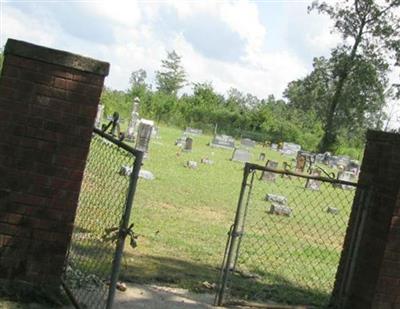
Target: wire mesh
289,239
101,206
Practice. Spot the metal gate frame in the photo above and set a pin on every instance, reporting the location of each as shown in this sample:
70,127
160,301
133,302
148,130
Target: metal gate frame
232,248
124,229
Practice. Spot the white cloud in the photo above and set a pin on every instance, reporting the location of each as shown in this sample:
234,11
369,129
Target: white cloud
126,13
266,74
139,43
18,25
242,16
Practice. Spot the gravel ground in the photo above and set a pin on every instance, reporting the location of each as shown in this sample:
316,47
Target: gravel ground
157,297
141,296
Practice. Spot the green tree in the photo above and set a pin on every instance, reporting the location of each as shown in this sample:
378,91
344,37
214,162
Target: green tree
137,82
173,76
1,60
115,101
362,101
139,88
369,30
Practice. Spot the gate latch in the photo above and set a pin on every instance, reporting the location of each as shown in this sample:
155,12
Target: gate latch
113,233
133,237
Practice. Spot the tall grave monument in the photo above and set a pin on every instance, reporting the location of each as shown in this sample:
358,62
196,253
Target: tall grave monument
134,122
99,116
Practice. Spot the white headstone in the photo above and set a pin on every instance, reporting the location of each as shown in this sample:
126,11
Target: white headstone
269,176
290,148
223,141
99,116
241,155
192,131
144,134
247,142
134,122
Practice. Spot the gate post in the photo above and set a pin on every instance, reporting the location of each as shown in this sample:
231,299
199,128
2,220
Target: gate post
232,240
374,281
48,105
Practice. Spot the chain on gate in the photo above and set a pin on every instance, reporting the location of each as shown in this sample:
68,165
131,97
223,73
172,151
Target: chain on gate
102,222
286,240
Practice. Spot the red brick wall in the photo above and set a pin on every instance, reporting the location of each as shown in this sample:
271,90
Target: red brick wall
376,278
48,103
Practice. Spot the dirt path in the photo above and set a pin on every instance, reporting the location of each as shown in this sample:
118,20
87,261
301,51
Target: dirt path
157,297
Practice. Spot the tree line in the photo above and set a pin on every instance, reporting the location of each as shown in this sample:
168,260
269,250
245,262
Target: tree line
328,110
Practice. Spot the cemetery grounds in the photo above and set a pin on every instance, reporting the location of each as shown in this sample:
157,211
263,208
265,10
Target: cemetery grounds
182,219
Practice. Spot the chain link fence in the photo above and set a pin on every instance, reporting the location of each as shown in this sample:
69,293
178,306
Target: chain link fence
102,222
287,238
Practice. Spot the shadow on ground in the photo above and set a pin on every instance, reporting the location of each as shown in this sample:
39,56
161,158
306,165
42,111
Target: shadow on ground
199,277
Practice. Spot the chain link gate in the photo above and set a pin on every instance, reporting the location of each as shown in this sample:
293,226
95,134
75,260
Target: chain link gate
285,243
102,222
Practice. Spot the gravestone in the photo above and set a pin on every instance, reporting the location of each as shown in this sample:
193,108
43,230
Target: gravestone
300,163
134,121
155,133
191,164
326,157
181,141
223,141
125,170
343,161
241,155
319,157
261,157
247,142
290,149
332,210
206,161
147,175
191,131
280,210
332,161
274,146
269,176
276,198
346,176
314,184
99,116
354,167
187,146
144,135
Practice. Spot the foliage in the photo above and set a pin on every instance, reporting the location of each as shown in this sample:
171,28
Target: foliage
329,109
115,100
173,76
370,35
138,83
362,101
239,115
1,60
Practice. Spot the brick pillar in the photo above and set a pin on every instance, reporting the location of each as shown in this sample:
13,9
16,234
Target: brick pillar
48,104
376,277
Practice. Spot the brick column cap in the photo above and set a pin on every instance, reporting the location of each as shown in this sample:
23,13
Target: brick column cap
391,137
57,57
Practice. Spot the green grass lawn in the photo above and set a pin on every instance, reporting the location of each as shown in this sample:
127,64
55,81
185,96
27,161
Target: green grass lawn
184,215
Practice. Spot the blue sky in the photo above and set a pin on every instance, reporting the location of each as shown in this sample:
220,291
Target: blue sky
254,46
257,47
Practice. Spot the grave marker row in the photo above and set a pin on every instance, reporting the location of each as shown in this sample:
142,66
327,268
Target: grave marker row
247,142
223,141
192,131
241,155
